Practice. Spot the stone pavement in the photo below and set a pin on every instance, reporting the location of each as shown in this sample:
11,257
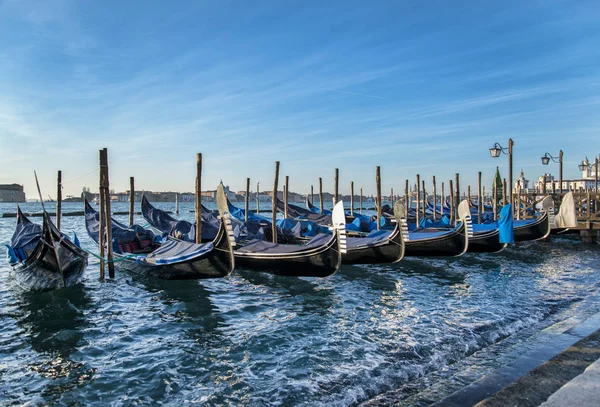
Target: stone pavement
564,351
582,391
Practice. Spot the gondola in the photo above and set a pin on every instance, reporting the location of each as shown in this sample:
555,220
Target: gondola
535,229
363,223
42,258
532,229
314,209
380,246
136,250
185,230
296,212
288,231
435,242
319,257
486,239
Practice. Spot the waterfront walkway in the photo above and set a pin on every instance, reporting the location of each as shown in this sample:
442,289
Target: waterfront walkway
573,376
562,370
582,391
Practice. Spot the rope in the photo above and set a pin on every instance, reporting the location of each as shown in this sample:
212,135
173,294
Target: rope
116,260
81,176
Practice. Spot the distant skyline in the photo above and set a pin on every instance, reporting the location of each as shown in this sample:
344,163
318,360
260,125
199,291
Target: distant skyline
413,87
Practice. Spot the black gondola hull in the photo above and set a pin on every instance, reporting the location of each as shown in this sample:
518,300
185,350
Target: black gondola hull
449,245
320,262
540,229
390,251
41,271
486,242
217,263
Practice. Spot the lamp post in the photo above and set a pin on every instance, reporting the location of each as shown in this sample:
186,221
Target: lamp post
546,159
495,151
585,164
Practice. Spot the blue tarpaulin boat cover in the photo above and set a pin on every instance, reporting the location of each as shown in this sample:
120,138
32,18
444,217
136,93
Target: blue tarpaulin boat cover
505,224
175,252
484,227
355,225
181,229
444,221
422,234
26,235
25,239
372,239
120,232
301,213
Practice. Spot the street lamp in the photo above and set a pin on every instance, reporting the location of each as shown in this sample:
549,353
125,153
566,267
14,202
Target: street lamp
495,151
546,160
585,164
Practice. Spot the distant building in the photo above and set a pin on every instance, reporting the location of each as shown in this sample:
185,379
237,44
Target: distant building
522,184
212,194
11,193
587,181
590,172
187,197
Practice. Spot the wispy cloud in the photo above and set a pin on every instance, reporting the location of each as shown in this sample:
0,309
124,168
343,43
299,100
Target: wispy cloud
424,96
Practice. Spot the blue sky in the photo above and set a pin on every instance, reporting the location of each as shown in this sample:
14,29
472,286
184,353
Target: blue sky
415,87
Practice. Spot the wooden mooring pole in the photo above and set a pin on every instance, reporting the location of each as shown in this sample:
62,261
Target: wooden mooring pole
321,209
102,226
423,208
457,199
257,198
284,205
378,182
479,199
351,198
544,184
177,203
418,200
285,196
442,200
336,180
274,202
361,196
58,199
312,195
452,216
107,213
518,208
434,198
132,199
198,207
406,198
247,200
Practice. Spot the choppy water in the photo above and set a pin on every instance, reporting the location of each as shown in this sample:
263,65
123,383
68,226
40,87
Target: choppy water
257,339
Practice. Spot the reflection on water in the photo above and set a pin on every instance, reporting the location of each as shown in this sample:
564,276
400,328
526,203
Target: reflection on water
52,324
53,320
258,339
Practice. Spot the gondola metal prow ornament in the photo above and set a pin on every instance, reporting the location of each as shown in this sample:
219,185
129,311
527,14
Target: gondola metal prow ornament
338,218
